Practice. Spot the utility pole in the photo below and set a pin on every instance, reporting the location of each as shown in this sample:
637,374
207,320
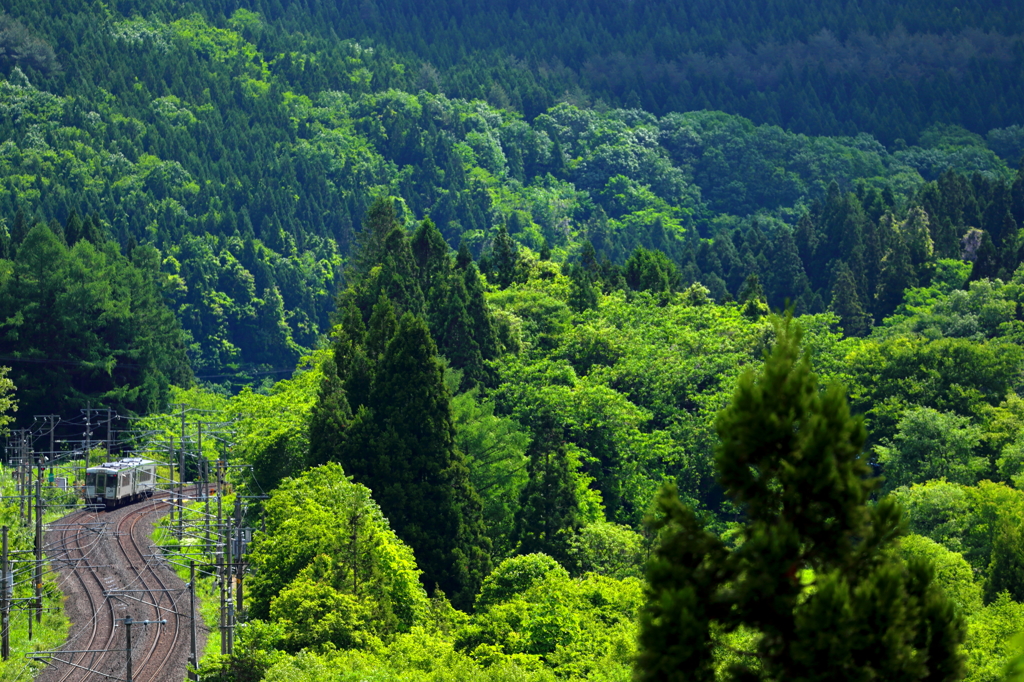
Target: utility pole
128,622
110,439
128,646
5,601
193,661
38,577
27,475
229,536
181,491
88,434
239,565
21,475
220,556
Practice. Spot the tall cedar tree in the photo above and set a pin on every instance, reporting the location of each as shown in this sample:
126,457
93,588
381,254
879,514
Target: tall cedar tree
813,577
548,508
453,330
330,417
582,290
402,446
476,305
380,220
846,303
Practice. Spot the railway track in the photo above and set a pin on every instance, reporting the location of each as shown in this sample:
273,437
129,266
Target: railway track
108,574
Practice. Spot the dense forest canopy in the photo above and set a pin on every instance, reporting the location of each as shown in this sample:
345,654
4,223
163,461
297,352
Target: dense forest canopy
473,282
246,143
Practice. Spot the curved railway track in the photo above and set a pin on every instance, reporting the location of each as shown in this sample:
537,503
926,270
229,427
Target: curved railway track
107,574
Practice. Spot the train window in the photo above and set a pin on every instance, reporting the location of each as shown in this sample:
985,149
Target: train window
143,475
124,479
111,480
90,479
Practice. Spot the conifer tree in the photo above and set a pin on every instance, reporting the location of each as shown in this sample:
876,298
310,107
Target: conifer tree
846,303
430,251
379,222
399,276
548,513
582,291
484,333
986,260
898,275
330,417
751,295
813,578
402,446
504,258
463,258
787,278
453,331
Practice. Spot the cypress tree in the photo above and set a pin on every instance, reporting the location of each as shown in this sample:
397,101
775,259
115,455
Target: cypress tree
399,276
330,417
463,258
846,303
379,222
548,513
786,278
813,577
479,314
582,291
453,331
897,276
430,251
402,446
505,258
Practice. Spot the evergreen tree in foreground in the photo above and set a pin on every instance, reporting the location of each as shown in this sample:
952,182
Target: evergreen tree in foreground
401,445
813,577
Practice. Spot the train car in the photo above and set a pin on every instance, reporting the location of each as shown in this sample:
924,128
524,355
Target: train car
115,483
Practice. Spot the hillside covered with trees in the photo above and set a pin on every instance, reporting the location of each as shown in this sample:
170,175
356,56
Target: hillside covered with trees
549,332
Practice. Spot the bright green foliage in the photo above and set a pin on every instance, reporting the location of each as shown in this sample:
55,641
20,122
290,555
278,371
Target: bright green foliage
495,451
530,609
420,656
515,576
965,519
607,549
86,324
8,402
402,445
952,572
948,374
811,576
930,445
274,433
990,639
328,568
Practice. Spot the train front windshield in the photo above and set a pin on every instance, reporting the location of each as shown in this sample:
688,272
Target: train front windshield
101,480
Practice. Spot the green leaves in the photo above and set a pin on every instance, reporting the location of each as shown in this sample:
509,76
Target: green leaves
328,548
790,458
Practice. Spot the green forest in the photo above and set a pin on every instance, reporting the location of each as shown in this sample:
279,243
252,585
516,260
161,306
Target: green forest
561,341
